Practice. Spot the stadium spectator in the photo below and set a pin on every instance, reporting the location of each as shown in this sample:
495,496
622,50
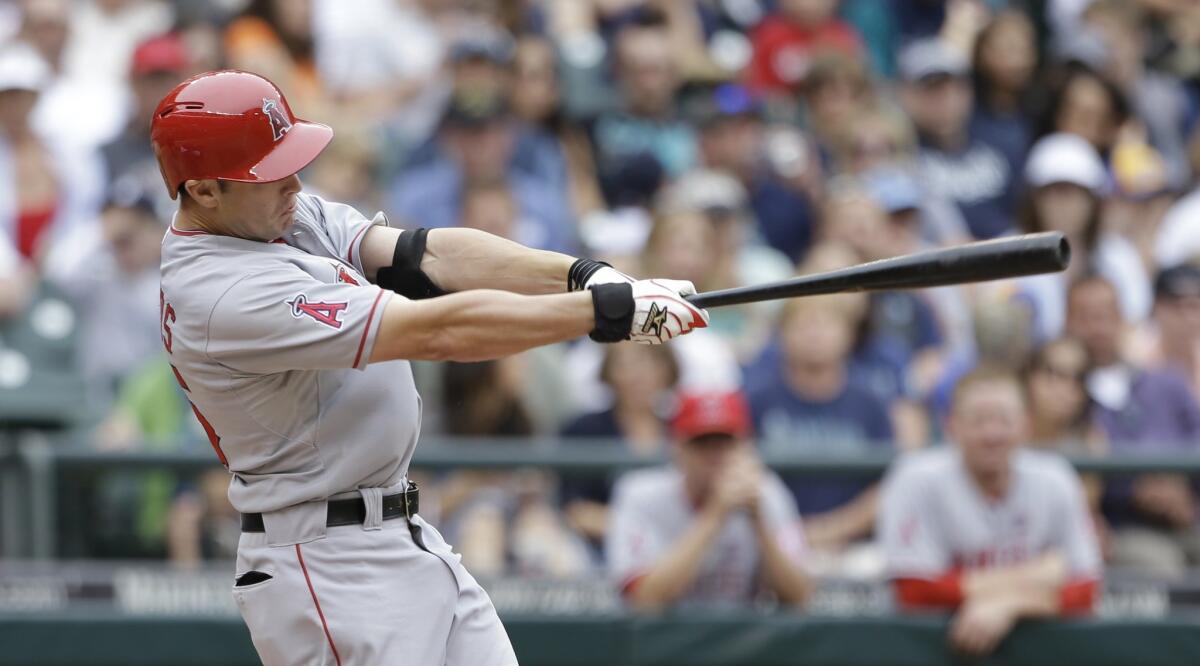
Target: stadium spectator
501,521
711,207
1004,336
874,138
274,38
388,58
104,33
113,285
476,143
714,528
48,187
1066,176
157,65
1004,62
733,139
837,89
789,39
1178,238
537,102
812,403
490,207
986,528
64,35
919,221
896,330
1060,415
1141,411
16,282
1086,103
346,171
646,131
1177,315
1140,198
1160,102
640,379
956,162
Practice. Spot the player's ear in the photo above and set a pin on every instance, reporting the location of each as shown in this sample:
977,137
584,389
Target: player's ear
205,193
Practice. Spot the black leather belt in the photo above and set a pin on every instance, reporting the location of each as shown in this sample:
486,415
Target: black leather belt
353,511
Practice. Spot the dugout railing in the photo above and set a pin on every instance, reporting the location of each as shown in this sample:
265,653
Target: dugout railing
728,639
34,463
34,466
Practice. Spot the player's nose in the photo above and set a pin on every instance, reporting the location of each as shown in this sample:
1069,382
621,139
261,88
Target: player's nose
291,184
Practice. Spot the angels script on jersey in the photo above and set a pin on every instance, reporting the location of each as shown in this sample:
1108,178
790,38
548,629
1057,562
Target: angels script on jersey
325,313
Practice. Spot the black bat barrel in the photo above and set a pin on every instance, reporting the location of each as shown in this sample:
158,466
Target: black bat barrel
1030,254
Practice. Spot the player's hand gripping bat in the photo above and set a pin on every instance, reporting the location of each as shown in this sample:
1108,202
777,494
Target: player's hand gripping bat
1029,254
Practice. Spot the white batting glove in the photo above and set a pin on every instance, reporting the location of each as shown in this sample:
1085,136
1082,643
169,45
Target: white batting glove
661,313
608,275
586,273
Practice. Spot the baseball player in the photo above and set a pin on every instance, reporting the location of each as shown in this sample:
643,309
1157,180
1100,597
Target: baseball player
997,531
715,528
289,321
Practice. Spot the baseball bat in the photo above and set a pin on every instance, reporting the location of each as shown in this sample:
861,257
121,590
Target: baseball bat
1030,254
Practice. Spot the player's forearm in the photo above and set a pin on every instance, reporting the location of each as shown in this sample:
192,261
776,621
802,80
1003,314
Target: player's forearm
461,259
790,582
670,577
479,325
848,522
1047,572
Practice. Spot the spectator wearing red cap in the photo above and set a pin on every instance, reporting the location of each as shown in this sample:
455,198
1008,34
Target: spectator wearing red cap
713,528
156,66
786,42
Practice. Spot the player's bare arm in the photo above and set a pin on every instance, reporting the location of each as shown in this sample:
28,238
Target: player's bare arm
462,259
479,324
780,572
789,582
671,576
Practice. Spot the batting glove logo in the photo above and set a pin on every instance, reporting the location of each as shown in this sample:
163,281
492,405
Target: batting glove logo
655,320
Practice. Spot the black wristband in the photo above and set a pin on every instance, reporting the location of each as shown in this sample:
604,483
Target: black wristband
582,271
405,276
614,307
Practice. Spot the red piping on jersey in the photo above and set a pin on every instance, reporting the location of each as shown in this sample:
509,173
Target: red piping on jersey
1075,597
944,591
1078,596
186,232
353,244
316,603
630,583
367,329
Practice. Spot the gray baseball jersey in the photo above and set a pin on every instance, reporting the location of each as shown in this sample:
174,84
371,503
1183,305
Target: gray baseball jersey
934,519
270,341
651,512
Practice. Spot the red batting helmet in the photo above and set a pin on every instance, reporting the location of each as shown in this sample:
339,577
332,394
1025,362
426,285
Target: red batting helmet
231,125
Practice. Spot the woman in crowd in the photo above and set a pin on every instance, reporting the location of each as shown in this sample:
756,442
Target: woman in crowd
641,380
501,521
1004,61
1083,102
537,101
1060,414
1066,178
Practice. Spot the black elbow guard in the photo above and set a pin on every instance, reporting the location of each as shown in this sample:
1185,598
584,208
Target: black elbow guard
405,276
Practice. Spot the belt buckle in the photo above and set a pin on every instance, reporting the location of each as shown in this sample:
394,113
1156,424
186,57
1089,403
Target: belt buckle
412,488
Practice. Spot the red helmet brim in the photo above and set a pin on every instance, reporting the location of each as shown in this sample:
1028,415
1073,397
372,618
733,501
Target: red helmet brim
299,147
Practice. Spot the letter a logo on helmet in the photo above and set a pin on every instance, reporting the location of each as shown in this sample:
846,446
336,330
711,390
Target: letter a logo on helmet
279,122
212,126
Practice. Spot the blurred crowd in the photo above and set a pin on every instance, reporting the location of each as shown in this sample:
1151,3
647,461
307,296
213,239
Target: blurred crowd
726,142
